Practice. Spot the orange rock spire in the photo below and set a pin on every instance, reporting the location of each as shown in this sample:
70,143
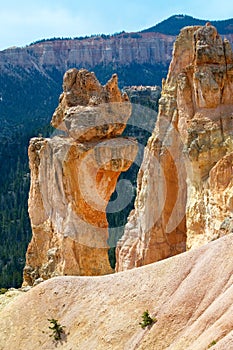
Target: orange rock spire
185,188
73,176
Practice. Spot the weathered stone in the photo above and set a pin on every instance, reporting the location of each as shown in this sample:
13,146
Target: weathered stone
71,182
184,189
190,295
88,110
147,96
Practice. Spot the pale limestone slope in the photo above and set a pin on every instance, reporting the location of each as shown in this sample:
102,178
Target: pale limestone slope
191,295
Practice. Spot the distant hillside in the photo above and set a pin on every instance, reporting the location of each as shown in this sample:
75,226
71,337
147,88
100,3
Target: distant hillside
174,24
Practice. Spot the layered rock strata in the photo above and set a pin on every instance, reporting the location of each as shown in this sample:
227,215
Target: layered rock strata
185,194
121,49
73,176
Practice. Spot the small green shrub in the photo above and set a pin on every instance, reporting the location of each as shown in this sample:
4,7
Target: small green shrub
56,328
212,344
3,290
147,320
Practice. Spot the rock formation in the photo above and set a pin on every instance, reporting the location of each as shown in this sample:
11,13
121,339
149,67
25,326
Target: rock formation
185,194
73,176
190,295
120,49
147,96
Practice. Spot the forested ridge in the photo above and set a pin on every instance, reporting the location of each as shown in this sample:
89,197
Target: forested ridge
14,221
173,25
15,226
26,107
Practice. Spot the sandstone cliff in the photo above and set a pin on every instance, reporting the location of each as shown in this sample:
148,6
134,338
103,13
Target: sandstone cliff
73,176
121,49
191,296
184,196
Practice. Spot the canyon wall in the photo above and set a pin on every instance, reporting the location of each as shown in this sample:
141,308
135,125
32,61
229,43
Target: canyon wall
73,176
121,49
185,194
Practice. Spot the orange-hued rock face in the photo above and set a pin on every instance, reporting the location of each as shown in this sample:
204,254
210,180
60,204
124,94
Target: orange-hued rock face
184,196
73,177
88,110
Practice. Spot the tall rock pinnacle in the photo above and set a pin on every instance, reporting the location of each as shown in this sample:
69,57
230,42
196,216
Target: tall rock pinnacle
185,187
73,176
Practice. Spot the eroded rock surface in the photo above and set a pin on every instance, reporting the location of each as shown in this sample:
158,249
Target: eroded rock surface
190,295
73,177
184,196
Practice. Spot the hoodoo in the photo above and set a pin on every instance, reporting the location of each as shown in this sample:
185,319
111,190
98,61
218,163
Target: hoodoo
185,187
73,176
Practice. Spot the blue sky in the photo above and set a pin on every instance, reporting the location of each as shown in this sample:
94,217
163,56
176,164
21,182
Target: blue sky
24,21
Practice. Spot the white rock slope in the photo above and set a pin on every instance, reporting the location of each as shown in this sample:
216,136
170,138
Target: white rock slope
191,295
